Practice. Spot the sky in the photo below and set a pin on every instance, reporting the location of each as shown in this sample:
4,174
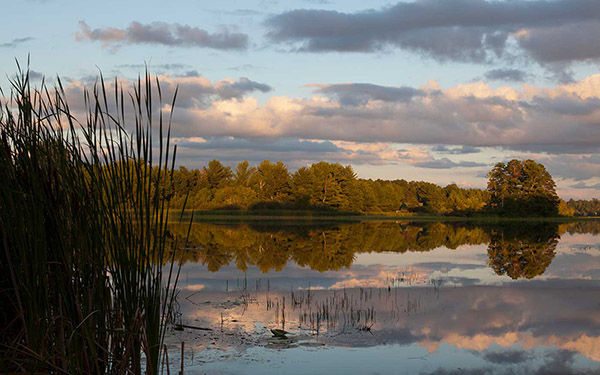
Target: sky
435,90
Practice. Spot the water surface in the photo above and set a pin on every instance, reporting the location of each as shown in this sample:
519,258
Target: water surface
390,298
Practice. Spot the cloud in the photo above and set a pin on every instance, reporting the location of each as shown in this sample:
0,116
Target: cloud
15,42
459,371
562,43
564,118
35,75
195,91
457,30
464,149
245,12
514,75
583,185
240,144
161,33
299,152
507,357
561,363
321,2
171,66
245,67
354,94
576,167
446,163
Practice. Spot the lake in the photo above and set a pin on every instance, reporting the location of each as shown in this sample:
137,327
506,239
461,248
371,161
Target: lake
388,297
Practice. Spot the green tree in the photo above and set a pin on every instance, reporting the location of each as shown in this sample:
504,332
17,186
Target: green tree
366,200
522,188
303,182
325,185
271,181
232,197
217,175
433,198
584,207
243,173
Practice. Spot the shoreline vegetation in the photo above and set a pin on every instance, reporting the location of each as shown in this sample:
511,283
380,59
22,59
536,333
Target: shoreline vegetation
83,230
515,189
249,215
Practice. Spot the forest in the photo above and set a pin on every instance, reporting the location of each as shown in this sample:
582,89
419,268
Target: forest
584,207
517,188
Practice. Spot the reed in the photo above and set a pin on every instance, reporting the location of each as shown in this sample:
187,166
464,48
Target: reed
87,275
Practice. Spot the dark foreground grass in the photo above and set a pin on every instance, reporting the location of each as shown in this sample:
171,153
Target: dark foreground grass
83,233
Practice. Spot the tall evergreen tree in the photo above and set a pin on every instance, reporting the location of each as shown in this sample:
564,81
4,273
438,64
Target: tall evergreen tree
271,181
243,173
217,175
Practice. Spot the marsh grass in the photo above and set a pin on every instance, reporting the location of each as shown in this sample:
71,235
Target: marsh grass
83,229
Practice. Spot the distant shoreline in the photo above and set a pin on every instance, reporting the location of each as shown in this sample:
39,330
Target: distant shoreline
307,215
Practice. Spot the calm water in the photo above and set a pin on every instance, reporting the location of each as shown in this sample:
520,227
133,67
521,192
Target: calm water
390,298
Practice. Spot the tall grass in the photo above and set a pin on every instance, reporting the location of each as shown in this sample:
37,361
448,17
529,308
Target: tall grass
83,228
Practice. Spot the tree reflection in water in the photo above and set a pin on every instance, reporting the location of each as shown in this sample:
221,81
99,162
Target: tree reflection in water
523,251
517,250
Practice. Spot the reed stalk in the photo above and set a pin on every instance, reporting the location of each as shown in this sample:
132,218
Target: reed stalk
87,275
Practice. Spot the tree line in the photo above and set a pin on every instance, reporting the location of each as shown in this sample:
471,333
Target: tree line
517,188
584,207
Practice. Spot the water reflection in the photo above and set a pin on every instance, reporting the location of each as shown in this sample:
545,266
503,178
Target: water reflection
517,250
522,251
391,297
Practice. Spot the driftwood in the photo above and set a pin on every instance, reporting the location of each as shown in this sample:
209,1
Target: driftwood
180,327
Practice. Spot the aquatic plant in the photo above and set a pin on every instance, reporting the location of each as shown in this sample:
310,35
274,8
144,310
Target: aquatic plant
83,228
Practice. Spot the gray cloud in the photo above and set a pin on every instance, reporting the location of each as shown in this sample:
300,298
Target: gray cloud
162,33
507,356
464,149
446,163
354,94
572,106
321,2
460,371
35,75
560,363
458,30
15,42
189,73
514,75
195,91
172,66
283,145
241,86
583,185
566,148
563,43
295,152
245,67
300,153
577,167
238,12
